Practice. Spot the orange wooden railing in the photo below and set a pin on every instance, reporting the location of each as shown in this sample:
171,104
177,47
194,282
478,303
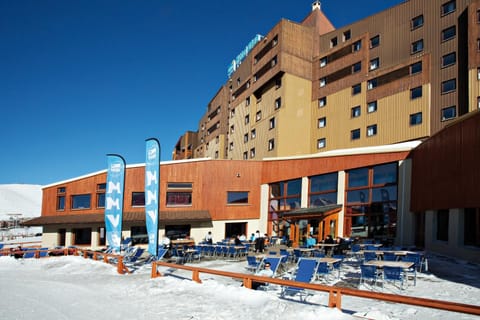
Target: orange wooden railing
334,293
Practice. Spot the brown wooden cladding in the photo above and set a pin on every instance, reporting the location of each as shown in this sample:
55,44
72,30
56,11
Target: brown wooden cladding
445,168
210,182
281,170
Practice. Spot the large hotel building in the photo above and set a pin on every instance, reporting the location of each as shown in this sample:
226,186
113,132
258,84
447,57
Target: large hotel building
399,75
371,131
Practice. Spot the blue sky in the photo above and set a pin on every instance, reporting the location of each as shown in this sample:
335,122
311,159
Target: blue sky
81,79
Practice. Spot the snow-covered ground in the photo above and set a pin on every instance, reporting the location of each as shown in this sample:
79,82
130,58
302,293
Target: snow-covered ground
78,288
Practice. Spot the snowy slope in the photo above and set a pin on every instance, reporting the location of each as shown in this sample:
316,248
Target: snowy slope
24,199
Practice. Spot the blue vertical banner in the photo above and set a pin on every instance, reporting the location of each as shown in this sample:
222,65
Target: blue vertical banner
152,182
114,200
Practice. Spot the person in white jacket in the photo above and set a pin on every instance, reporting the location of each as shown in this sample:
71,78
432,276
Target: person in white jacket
265,272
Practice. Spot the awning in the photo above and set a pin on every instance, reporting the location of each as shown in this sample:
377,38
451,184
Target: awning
312,212
165,217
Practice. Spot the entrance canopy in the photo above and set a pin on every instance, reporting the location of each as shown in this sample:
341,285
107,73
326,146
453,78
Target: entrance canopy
313,212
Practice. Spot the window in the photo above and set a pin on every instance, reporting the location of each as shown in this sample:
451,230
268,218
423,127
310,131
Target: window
449,86
448,33
247,119
323,190
478,102
417,22
231,146
247,101
372,84
101,200
274,61
174,232
371,199
415,93
139,235
478,73
356,111
252,153
333,42
179,194
356,67
356,89
61,198
253,134
323,82
216,154
245,155
372,106
81,201
478,16
355,134
323,62
271,123
285,195
357,45
442,225
374,64
138,199
471,227
449,113
322,102
415,119
416,67
271,144
245,138
417,46
278,83
237,197
347,35
232,128
322,122
278,103
321,143
449,59
372,130
258,116
448,7
60,203
375,41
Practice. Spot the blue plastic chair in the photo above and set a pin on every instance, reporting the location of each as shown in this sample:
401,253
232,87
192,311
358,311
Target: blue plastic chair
305,273
368,273
323,271
252,264
393,274
389,256
368,255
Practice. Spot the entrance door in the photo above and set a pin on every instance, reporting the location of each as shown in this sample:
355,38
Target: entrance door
420,229
61,237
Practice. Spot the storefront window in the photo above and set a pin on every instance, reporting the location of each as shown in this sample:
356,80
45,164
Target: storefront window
323,190
371,198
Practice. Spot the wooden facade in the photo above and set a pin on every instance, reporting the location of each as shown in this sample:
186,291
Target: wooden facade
211,181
